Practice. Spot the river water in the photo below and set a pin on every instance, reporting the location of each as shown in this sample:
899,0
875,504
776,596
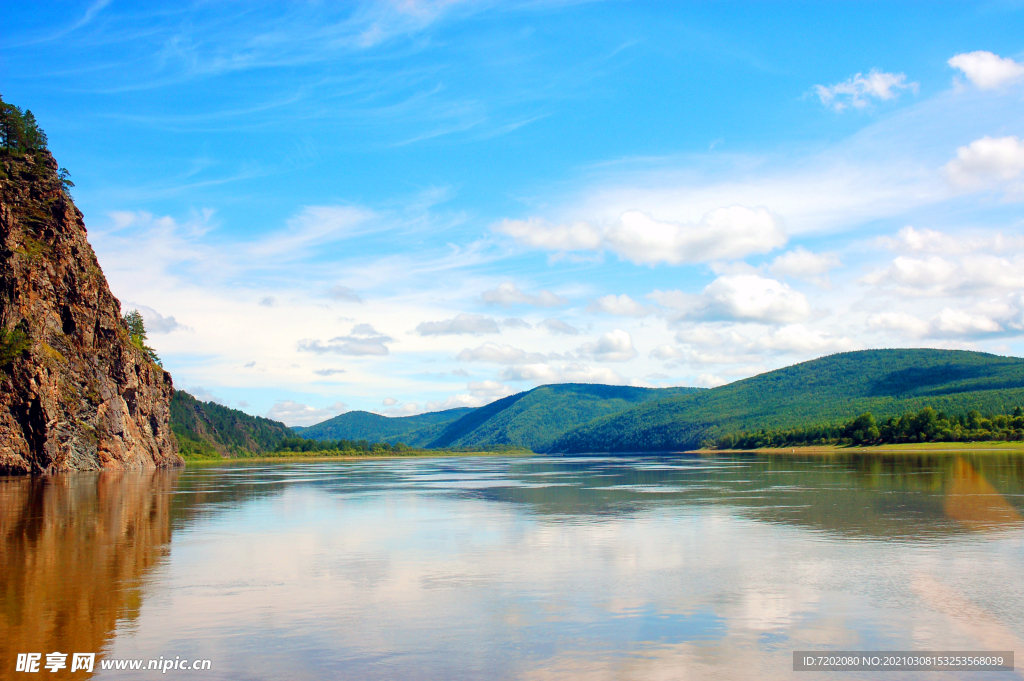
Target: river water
516,568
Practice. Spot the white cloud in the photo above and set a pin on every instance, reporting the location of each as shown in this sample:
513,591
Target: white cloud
622,305
363,340
268,301
297,414
537,233
709,381
389,401
796,338
803,264
328,372
614,346
462,324
516,323
204,395
859,90
480,393
667,352
747,297
898,321
950,276
499,354
569,373
723,233
156,322
343,293
508,294
559,327
959,323
987,161
986,70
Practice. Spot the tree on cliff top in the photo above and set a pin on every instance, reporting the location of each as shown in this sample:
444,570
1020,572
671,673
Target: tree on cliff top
137,331
19,130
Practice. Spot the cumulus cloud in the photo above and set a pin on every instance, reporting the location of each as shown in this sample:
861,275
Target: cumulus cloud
937,275
560,327
515,323
986,70
986,162
363,340
389,401
801,263
474,324
858,90
744,297
622,305
723,233
343,293
499,354
953,323
959,323
614,346
508,294
297,414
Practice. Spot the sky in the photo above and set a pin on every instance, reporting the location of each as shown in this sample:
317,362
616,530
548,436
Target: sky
409,206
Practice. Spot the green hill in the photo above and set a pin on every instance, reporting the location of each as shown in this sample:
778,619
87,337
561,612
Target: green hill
208,429
532,419
826,390
415,431
537,418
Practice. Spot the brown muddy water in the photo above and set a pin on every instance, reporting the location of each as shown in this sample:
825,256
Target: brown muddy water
537,568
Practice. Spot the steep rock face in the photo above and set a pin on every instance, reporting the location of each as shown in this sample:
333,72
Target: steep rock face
75,391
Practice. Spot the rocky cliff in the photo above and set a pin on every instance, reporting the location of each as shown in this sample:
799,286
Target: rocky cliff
75,392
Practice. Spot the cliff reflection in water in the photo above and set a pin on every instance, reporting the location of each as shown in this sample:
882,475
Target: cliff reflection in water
76,549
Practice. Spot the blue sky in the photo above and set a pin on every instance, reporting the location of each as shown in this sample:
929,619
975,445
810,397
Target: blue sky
409,206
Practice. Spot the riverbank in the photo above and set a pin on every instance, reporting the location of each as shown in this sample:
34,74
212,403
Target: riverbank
289,457
905,447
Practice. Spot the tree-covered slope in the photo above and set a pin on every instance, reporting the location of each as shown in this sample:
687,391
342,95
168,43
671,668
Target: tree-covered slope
537,418
415,431
830,389
210,429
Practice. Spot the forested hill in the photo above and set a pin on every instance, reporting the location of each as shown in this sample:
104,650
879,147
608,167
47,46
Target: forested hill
210,429
415,431
532,419
830,389
537,418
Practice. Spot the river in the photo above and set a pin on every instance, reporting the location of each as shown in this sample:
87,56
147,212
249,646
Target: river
597,567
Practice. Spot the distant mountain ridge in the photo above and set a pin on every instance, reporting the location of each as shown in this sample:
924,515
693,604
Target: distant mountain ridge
533,419
575,418
829,389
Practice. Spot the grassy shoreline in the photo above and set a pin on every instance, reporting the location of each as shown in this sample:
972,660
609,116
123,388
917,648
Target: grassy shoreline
376,456
905,447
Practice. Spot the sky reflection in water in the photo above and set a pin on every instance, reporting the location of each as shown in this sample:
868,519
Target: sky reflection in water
540,568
